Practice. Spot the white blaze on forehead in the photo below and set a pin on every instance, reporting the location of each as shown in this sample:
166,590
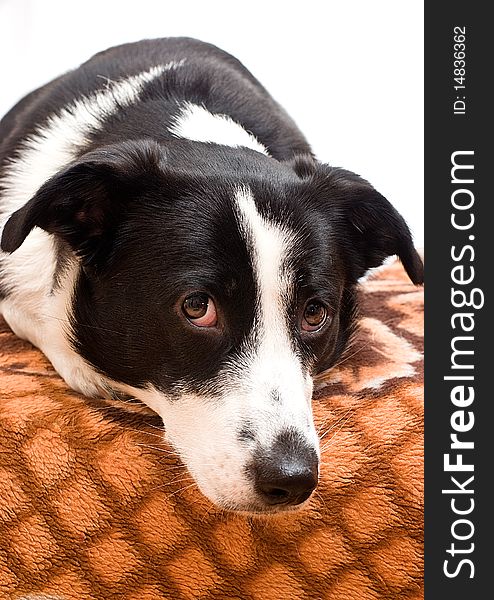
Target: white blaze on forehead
196,123
274,366
270,245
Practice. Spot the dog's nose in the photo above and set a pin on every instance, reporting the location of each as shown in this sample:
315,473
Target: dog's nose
289,482
287,473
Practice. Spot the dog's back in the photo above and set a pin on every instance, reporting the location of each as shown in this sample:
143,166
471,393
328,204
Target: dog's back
164,74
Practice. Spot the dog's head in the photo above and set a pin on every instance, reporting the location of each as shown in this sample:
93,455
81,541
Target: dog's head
215,282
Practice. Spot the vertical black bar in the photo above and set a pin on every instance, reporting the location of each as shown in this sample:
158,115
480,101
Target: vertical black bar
459,229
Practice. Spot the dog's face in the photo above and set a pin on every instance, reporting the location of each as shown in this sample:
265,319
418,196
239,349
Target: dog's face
215,282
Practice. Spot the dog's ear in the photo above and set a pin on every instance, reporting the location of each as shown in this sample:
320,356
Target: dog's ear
84,203
373,229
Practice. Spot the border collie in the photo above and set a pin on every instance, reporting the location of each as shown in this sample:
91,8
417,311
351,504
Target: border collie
168,233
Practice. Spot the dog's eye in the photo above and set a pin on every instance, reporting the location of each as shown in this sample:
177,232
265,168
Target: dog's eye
315,316
200,310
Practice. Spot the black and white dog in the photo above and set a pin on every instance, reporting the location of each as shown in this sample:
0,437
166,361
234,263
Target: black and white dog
168,233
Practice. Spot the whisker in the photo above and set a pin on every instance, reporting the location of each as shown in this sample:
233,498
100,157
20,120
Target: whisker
106,410
208,512
164,450
160,437
162,429
181,490
182,465
173,467
179,480
328,443
67,322
319,428
336,424
349,356
167,484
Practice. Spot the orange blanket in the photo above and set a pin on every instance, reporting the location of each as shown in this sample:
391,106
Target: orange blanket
94,505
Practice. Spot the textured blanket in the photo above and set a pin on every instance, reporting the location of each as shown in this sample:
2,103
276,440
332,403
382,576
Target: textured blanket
94,505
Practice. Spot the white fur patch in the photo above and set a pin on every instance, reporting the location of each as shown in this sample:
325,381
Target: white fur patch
56,142
197,123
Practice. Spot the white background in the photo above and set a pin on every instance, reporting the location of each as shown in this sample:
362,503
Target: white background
350,72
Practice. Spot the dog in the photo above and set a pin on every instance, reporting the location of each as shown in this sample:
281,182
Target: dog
168,233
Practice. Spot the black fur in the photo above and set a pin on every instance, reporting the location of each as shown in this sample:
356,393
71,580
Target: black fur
151,218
